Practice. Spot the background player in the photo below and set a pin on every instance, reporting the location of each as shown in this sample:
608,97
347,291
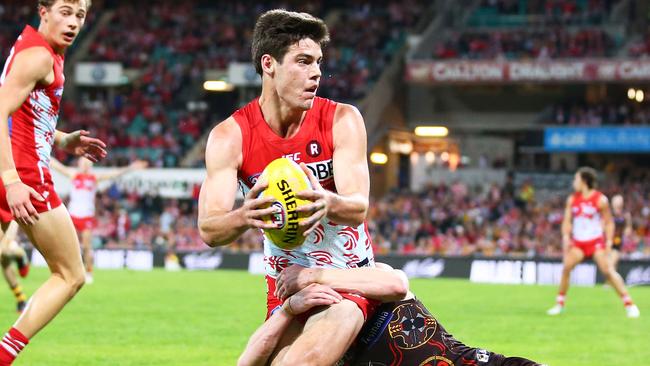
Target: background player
82,201
11,251
622,227
587,212
30,95
402,332
289,120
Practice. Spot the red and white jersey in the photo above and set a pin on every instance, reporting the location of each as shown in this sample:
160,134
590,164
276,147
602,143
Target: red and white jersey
587,223
82,196
330,245
32,126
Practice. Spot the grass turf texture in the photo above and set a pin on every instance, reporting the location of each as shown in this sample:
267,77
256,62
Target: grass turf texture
205,318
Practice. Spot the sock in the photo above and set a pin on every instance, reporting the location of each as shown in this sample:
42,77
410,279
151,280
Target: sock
12,343
19,294
560,299
627,300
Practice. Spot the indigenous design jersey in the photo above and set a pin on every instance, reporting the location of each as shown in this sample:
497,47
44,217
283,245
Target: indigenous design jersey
330,245
587,223
404,333
82,196
32,126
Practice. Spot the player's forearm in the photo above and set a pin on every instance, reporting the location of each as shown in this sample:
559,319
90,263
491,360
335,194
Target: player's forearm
222,228
374,283
263,342
115,174
60,138
347,210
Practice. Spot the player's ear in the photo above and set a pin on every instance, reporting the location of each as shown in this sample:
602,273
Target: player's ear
42,13
268,64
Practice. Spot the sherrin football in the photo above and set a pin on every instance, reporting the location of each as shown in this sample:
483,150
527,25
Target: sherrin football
285,179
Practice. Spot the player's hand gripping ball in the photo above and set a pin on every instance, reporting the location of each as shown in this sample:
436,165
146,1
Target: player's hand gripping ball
285,179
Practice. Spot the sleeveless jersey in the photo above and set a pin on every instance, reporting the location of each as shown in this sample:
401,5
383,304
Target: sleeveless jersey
587,223
82,196
330,245
32,127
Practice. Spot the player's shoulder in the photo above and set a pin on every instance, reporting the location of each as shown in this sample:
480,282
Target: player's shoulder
225,132
34,60
224,141
570,198
348,116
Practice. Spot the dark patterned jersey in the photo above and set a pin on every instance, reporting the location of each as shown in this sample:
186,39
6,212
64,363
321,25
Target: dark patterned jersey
404,333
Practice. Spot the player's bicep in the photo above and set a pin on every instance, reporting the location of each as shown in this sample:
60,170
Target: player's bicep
29,67
222,155
349,158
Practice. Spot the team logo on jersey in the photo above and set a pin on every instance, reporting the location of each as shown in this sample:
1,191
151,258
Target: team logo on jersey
411,327
314,149
482,356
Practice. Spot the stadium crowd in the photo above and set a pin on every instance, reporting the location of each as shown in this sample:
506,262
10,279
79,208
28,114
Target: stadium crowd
565,12
601,113
545,43
451,220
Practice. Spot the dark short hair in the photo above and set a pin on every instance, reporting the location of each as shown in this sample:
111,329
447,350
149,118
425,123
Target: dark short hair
589,176
48,3
276,30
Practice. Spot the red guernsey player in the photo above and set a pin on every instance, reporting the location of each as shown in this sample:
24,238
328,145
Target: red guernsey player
82,201
30,94
587,212
328,139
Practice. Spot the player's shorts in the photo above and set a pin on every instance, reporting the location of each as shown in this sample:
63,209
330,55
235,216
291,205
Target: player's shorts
367,306
590,247
41,183
84,223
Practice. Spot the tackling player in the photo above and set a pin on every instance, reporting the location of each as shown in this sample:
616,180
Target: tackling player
328,139
82,201
30,95
402,332
587,212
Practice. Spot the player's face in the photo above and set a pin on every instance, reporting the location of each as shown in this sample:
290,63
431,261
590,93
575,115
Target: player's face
617,203
64,21
298,75
577,183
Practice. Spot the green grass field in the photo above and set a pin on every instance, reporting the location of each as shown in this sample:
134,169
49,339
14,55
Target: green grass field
205,318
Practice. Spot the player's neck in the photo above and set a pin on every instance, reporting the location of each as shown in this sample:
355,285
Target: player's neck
42,30
282,119
586,192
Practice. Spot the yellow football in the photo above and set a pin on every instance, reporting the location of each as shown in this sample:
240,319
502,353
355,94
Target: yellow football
285,179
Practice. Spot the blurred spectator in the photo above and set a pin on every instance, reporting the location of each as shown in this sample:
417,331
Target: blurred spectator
601,113
524,43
